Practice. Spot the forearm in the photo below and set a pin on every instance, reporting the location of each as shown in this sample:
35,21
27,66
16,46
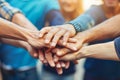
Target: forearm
21,20
100,51
83,22
54,17
17,43
7,11
107,29
10,30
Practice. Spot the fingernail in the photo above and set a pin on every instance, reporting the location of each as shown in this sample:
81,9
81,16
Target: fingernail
66,67
35,55
40,35
53,65
64,43
60,72
52,44
58,53
46,41
74,48
63,65
58,66
41,59
55,60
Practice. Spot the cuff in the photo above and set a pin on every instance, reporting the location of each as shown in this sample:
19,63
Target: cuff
8,11
11,13
83,22
117,46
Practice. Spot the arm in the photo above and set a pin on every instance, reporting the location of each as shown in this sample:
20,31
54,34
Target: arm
22,44
21,20
108,29
100,51
10,30
13,14
87,20
54,17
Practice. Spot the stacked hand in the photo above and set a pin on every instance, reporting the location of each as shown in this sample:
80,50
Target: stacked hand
54,44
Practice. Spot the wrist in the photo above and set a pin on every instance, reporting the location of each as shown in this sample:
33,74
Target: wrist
70,28
21,20
82,53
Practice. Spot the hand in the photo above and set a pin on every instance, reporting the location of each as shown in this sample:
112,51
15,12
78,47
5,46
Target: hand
73,56
34,52
37,43
53,34
53,61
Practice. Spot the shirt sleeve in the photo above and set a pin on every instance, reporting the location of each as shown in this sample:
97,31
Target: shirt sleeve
7,11
117,46
88,19
54,17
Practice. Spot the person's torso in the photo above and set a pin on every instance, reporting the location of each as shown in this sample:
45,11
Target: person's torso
35,11
102,68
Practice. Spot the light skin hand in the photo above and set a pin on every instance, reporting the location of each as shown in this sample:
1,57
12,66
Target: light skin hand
22,44
69,47
105,51
21,20
53,34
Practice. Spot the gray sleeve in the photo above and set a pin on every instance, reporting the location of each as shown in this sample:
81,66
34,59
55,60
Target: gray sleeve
97,13
88,19
117,46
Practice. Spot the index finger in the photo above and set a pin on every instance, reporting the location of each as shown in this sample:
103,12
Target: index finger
43,31
49,58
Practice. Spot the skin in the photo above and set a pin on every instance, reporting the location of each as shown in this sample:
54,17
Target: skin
71,8
104,51
99,32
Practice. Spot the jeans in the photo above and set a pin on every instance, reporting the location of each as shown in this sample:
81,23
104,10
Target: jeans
45,75
30,74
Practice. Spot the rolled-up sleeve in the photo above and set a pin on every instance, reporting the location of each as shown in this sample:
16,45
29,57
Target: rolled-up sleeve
83,22
7,11
90,18
117,46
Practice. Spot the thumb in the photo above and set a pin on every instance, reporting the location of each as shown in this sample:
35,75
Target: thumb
68,57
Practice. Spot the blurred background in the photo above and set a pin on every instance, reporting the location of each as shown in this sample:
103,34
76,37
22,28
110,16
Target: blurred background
80,70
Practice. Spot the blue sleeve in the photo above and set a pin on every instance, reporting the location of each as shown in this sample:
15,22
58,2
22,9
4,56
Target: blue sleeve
90,18
83,22
54,17
117,46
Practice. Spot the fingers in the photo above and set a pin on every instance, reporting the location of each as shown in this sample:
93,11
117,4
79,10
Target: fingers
34,54
68,57
63,64
58,65
51,34
49,59
65,38
75,62
43,31
41,56
67,64
72,40
59,71
61,52
56,58
57,36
